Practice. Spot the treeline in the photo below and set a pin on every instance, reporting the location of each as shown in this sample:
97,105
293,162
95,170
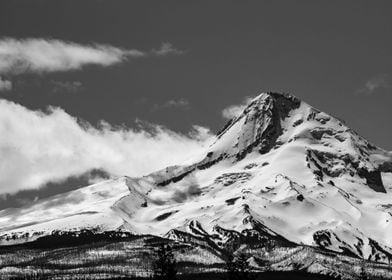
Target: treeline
236,268
75,238
165,266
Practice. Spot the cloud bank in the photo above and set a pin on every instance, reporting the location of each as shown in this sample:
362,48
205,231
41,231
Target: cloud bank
41,147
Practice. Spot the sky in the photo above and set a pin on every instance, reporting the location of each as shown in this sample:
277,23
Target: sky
89,87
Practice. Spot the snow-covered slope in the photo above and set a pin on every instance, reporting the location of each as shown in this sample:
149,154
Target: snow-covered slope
281,170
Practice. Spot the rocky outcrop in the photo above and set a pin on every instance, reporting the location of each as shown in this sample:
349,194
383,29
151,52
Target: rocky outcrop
262,125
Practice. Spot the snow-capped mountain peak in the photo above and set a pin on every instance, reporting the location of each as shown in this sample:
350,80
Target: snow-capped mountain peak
280,170
259,125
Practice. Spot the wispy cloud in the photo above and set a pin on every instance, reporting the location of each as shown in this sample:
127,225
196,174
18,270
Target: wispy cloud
5,85
181,103
235,110
38,55
41,55
167,49
380,81
50,147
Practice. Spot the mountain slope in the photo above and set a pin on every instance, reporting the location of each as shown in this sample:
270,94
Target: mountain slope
281,171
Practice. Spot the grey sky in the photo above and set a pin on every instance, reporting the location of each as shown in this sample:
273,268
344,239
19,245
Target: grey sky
200,57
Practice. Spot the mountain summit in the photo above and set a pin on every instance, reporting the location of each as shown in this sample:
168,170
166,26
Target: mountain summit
281,171
260,124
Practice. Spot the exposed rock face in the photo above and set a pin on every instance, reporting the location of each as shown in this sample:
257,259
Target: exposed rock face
334,165
386,166
373,179
261,124
265,115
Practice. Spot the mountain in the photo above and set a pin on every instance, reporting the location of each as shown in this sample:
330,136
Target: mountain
280,172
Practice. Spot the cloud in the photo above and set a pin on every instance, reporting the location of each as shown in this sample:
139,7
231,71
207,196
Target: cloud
380,81
42,55
180,103
167,49
187,188
5,84
234,110
52,146
38,55
27,196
